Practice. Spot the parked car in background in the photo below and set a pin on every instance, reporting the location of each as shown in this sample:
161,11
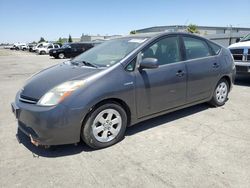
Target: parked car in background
30,46
8,46
119,83
46,48
18,46
241,55
13,47
72,49
39,45
23,47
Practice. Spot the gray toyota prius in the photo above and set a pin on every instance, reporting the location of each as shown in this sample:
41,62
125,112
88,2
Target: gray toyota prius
119,83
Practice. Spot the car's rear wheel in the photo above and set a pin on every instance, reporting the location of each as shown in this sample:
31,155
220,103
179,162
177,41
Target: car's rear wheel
220,93
61,55
105,126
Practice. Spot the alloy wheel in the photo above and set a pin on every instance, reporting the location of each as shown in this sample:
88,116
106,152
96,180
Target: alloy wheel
107,125
221,92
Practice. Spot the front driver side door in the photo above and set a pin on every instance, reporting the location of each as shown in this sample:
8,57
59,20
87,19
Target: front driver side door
164,87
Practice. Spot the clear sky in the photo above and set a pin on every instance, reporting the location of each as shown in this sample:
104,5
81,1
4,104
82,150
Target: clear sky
28,20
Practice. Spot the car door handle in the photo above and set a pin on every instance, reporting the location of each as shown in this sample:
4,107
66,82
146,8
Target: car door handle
180,73
215,65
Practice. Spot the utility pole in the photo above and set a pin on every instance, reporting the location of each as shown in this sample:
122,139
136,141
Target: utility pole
230,34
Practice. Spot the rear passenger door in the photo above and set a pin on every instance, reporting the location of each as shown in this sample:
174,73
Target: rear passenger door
202,67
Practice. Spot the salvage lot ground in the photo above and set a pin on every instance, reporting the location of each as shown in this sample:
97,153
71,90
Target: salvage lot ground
195,147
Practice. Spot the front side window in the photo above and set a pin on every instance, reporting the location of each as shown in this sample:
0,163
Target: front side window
166,51
195,48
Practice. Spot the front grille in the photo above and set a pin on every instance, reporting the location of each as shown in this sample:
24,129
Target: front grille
241,54
237,54
241,69
28,99
237,51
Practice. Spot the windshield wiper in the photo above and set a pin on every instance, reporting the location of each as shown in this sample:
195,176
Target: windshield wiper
85,63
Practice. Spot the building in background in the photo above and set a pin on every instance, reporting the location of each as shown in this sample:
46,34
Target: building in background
222,35
65,40
87,38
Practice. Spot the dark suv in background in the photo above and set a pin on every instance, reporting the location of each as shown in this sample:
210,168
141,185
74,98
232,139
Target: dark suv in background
72,49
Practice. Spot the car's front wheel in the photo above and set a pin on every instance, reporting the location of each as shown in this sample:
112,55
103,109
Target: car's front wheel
220,93
105,126
61,55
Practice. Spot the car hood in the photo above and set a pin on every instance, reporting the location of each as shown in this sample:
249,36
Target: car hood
240,44
47,79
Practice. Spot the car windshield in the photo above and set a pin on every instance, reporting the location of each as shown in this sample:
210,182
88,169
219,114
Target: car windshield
245,38
110,52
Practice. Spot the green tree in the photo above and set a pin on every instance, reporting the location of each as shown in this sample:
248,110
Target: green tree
133,32
70,39
192,28
41,40
60,41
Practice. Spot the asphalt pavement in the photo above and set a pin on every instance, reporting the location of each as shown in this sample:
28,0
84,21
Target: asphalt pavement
199,146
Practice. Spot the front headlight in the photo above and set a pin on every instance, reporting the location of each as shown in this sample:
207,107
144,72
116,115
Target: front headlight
60,92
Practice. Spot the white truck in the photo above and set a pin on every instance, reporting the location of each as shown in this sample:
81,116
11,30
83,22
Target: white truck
241,54
19,46
46,48
39,45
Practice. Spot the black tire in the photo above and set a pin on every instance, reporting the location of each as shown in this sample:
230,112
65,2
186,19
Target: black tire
87,132
215,101
42,53
61,55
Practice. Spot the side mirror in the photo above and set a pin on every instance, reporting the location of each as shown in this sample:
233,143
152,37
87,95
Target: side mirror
237,40
149,63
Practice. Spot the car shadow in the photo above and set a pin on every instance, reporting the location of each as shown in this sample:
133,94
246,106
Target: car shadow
71,149
157,121
242,80
53,151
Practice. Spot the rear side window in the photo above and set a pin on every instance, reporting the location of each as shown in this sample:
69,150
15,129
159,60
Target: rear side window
195,48
216,48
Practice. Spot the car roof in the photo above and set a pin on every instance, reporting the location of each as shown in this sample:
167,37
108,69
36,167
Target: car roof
157,34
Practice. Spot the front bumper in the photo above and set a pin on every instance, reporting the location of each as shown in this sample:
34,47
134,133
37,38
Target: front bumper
242,67
53,53
49,125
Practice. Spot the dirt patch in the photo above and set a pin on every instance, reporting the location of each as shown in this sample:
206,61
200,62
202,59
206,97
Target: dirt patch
5,52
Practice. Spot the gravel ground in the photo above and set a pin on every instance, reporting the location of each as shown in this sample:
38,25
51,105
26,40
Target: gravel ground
195,147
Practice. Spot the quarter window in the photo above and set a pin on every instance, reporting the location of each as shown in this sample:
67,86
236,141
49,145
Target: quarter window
216,48
166,51
195,48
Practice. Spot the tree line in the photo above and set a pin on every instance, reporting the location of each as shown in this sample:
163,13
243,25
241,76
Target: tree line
191,28
60,40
